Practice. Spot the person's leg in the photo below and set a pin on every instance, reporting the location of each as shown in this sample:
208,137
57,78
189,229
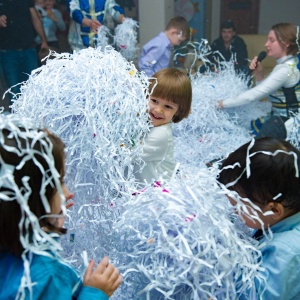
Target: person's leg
11,68
29,62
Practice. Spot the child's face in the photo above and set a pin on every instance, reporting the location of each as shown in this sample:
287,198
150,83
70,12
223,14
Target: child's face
56,206
161,111
252,222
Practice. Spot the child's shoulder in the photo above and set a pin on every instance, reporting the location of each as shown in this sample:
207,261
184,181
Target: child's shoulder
52,266
161,133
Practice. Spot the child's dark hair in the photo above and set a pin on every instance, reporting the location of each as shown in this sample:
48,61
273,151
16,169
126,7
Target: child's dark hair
270,175
181,24
174,86
10,211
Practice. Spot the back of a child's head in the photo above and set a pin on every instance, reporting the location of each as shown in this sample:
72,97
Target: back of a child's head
264,170
175,86
31,167
180,24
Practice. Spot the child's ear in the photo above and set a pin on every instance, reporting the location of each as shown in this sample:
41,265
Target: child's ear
278,210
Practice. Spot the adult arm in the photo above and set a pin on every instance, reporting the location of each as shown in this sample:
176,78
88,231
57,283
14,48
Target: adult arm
273,82
38,26
115,10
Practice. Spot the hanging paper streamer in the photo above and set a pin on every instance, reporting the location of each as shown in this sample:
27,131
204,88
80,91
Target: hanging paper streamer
96,101
126,39
103,37
178,242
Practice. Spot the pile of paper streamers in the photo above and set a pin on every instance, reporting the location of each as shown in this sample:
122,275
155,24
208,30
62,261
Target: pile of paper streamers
96,101
178,242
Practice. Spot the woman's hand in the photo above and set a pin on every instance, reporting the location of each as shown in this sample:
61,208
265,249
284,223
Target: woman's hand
257,69
105,277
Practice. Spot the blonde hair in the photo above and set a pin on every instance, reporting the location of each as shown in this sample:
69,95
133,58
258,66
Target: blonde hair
174,86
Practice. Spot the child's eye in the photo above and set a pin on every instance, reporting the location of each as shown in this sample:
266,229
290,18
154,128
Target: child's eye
154,101
169,107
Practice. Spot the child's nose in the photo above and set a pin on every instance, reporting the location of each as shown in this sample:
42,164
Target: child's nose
159,109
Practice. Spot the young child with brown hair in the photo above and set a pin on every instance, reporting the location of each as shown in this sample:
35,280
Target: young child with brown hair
156,53
170,102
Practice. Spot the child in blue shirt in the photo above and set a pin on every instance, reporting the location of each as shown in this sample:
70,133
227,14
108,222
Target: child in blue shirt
32,207
266,173
156,53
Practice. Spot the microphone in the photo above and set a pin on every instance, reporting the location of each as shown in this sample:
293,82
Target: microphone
260,57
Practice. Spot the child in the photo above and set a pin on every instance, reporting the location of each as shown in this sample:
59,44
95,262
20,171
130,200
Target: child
32,205
52,22
266,172
170,101
157,52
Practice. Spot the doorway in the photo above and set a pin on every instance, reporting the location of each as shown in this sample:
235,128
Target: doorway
244,13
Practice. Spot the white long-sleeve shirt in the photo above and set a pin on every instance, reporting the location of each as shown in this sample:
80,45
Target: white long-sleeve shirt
285,74
158,154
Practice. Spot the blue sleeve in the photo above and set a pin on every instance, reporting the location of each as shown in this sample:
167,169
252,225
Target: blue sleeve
77,16
119,9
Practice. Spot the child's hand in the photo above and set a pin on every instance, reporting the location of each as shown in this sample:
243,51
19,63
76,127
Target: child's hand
69,204
105,277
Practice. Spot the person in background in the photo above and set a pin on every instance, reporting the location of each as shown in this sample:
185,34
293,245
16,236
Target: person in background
19,21
230,46
156,54
283,44
86,17
52,21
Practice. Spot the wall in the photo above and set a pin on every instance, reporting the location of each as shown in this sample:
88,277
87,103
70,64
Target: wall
271,12
154,16
278,11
